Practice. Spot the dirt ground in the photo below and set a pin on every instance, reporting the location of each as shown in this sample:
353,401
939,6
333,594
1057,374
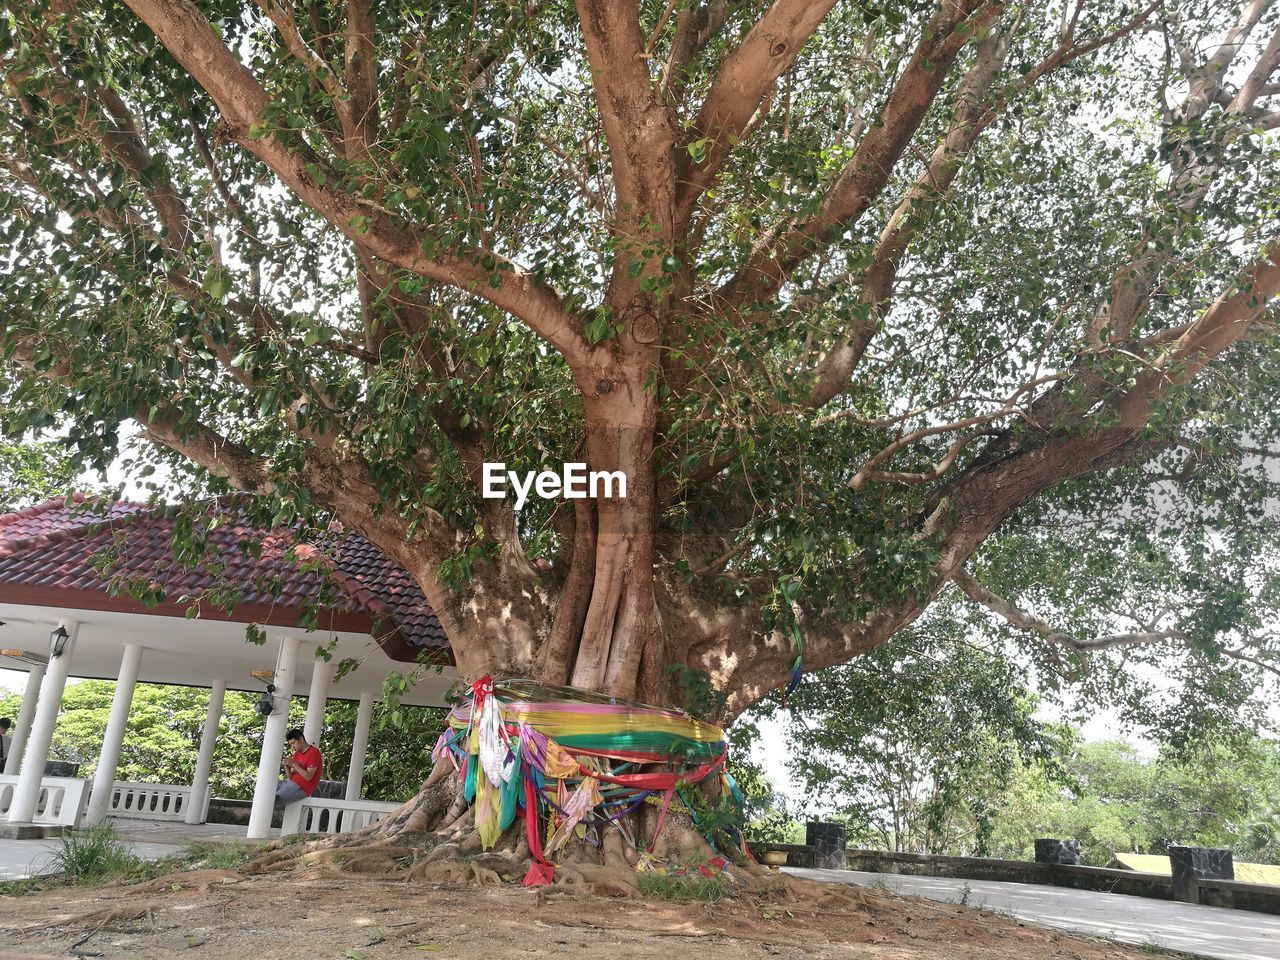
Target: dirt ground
298,916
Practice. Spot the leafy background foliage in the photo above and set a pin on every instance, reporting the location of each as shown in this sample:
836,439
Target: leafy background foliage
163,737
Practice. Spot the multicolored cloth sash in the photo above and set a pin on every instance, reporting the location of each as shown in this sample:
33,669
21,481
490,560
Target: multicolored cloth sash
565,753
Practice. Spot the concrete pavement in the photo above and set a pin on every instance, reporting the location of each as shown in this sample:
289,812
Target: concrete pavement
1205,931
31,858
149,839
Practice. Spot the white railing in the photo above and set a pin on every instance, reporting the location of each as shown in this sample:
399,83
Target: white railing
61,801
314,815
153,801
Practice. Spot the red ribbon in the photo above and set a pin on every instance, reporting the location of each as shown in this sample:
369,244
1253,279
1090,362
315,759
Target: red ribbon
657,781
541,871
481,690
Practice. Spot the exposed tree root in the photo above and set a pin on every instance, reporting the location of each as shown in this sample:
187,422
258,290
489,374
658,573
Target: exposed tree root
599,880
202,880
433,839
95,918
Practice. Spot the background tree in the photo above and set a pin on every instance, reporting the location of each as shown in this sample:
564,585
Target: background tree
1116,801
864,300
32,471
917,745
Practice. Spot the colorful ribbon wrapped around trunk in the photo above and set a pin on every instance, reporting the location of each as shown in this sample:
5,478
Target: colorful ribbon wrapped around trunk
562,752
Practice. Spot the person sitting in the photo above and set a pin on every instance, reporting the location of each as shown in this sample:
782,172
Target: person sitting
303,770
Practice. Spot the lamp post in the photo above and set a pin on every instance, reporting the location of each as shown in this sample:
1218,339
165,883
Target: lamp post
58,642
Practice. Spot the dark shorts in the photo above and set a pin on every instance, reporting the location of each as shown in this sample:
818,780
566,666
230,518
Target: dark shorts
288,792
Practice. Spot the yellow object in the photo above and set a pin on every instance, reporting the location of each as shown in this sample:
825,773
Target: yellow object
1150,863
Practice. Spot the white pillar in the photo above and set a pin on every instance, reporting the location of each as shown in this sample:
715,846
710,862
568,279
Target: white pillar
36,753
22,726
264,791
104,775
359,744
204,760
313,725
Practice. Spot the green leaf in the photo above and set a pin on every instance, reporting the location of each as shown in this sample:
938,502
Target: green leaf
217,282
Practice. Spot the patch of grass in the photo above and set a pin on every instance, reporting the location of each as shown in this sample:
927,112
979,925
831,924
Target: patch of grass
20,888
1004,913
203,855
683,889
1153,946
87,856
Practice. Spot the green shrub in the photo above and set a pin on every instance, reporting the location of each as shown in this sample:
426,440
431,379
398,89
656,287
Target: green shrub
94,854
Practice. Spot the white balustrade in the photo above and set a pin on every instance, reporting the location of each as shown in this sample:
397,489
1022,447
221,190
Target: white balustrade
315,815
153,801
61,801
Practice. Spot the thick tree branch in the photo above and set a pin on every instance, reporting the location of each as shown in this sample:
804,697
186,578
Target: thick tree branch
745,77
973,115
102,117
834,370
638,126
1207,81
1194,169
780,251
208,448
184,31
280,13
1255,85
695,26
1223,324
361,75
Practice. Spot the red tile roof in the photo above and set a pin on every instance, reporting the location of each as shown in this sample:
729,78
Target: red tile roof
94,554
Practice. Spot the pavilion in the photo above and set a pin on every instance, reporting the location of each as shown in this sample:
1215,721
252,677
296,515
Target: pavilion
94,589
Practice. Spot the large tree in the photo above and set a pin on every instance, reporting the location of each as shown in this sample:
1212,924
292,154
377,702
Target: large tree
864,299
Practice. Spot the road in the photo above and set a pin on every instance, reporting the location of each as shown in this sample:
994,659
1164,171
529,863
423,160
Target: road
1205,931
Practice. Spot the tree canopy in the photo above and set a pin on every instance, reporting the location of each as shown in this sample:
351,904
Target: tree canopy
868,301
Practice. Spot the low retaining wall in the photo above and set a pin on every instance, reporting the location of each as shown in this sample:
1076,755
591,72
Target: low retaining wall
1215,893
1014,871
1261,897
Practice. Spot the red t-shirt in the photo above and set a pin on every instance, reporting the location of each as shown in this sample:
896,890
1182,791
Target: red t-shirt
309,757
